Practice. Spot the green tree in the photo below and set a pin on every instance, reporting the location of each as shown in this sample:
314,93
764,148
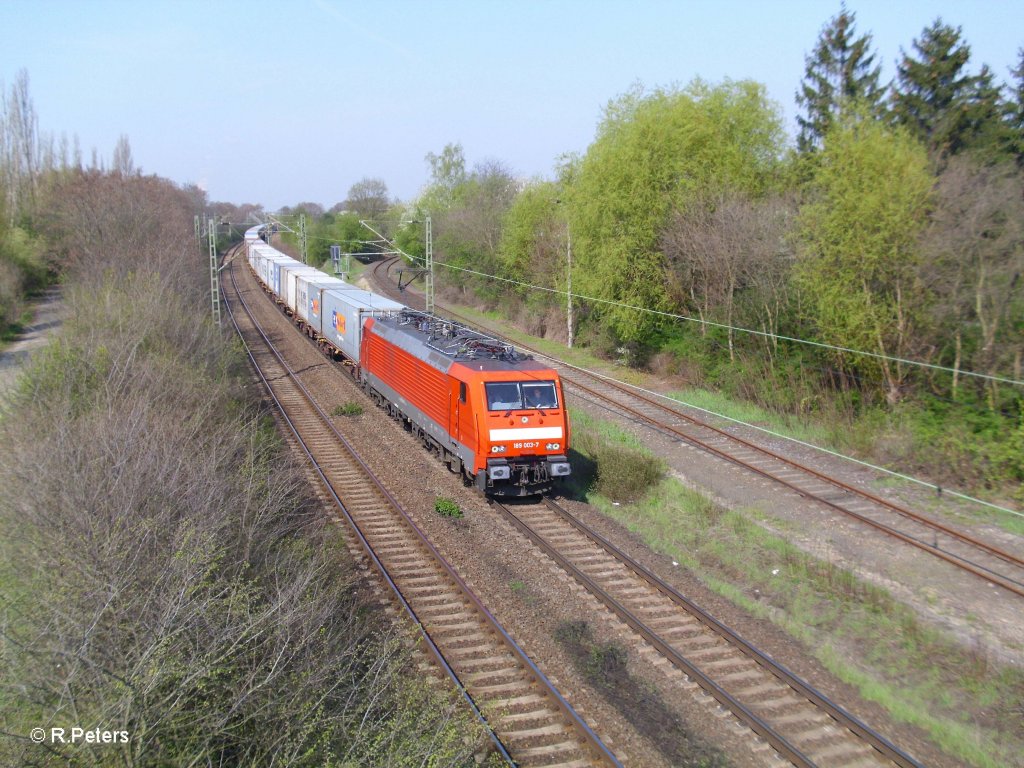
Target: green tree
840,72
858,270
654,154
939,101
989,134
342,229
533,238
447,173
466,210
534,243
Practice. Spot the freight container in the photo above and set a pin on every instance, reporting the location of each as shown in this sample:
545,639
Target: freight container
309,296
276,283
255,257
344,312
258,253
260,259
272,268
259,248
288,274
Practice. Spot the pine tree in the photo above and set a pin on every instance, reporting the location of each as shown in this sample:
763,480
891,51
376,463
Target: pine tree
987,131
839,72
941,103
1015,111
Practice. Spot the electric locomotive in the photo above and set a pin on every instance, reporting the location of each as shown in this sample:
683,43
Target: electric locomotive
490,412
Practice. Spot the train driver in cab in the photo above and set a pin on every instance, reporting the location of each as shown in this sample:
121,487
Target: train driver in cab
539,396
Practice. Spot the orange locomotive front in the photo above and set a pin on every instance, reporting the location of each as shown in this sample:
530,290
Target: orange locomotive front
491,413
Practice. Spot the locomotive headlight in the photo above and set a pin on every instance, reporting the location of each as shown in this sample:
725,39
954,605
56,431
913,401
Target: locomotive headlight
558,466
498,469
499,448
552,446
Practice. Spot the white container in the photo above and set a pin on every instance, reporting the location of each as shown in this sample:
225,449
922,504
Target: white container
309,296
343,314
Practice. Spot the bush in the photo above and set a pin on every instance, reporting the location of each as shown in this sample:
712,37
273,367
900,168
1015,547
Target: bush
447,507
23,271
624,473
623,470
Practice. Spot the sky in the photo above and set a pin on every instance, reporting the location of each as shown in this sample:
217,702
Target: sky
282,102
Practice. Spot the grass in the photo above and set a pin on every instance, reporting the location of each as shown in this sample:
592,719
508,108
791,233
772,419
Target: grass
751,413
852,438
523,592
10,332
857,630
616,463
349,408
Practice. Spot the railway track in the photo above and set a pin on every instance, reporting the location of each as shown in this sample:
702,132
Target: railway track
957,548
531,722
800,723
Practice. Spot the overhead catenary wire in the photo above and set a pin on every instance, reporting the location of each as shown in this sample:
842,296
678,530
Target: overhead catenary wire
765,334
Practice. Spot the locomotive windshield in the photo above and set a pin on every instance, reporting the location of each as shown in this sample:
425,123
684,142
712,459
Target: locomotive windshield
521,395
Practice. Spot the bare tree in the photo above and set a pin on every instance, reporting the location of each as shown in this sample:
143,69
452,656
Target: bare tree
483,198
122,163
64,152
726,245
314,210
976,238
19,142
237,213
120,224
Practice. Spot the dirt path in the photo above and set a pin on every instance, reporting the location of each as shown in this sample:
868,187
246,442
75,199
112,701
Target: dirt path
48,314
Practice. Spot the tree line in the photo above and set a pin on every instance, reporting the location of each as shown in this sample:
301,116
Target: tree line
689,202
